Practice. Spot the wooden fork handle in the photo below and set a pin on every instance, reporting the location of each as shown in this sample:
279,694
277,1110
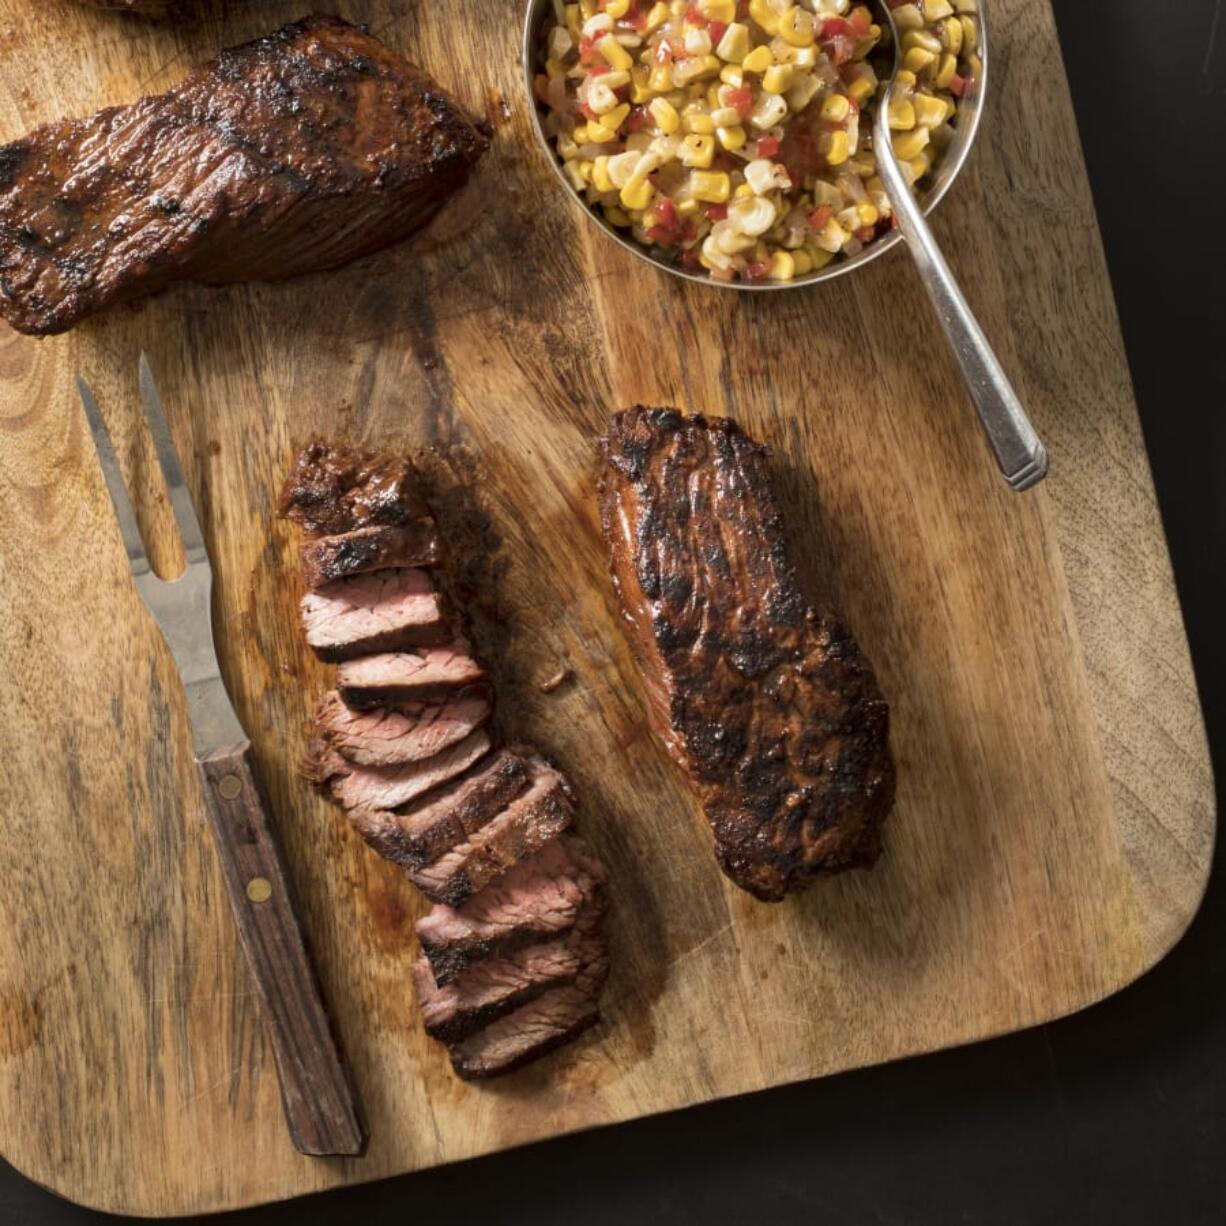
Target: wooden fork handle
321,1105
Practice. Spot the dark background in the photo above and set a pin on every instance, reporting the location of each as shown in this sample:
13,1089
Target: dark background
1115,1115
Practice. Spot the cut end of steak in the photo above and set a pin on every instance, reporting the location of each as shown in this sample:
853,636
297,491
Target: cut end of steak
330,558
413,733
296,152
535,1029
770,708
540,899
490,990
523,828
386,610
407,676
363,788
332,490
420,832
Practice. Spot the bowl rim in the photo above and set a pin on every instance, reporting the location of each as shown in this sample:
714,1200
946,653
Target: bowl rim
951,167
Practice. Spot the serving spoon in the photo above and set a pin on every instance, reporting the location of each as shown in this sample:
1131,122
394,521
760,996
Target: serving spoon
1019,452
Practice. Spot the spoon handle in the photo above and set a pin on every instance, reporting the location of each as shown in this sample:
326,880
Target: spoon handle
1019,452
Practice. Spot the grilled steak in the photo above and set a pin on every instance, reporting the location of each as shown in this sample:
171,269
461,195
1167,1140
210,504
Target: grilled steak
332,490
525,826
296,152
489,990
407,676
386,610
420,832
412,734
535,1029
540,899
384,787
768,706
330,558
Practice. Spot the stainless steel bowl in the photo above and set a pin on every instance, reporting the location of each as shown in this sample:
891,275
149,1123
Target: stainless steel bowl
970,113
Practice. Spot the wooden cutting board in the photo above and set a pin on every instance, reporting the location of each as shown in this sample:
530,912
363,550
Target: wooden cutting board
1054,822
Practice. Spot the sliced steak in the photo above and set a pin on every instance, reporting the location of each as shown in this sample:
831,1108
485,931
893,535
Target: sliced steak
523,828
330,558
489,990
769,707
535,1029
420,832
387,610
407,676
540,899
413,733
299,151
331,490
364,788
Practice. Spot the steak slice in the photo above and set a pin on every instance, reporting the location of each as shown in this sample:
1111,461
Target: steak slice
489,990
363,550
534,1029
386,610
336,489
362,788
524,827
769,707
412,734
540,899
407,676
296,152
421,831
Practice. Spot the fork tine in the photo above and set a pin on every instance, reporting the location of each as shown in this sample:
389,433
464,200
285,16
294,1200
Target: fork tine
115,486
172,470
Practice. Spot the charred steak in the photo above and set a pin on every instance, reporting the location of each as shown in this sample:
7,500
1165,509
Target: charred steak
769,706
296,152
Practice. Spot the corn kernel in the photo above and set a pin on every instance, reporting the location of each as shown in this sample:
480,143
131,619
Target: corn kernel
802,262
617,9
929,111
732,137
836,108
920,166
731,74
661,79
599,134
840,148
600,175
713,186
869,216
697,121
945,72
908,145
935,10
640,87
919,58
657,15
688,207
637,195
765,14
796,27
665,115
758,60
614,215
921,38
614,54
902,114
970,35
697,149
616,117
782,266
777,78
951,34
718,10
735,44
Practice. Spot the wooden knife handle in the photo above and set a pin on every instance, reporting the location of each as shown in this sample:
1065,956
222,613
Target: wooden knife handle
321,1105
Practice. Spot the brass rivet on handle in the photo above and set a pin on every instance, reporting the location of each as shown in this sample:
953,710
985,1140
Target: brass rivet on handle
229,786
259,889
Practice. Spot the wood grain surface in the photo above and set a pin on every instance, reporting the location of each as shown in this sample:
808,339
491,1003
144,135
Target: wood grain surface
1054,824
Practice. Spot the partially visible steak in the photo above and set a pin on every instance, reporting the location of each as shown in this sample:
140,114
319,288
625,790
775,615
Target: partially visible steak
488,990
360,788
538,900
296,152
379,547
534,1029
407,676
421,831
768,706
413,733
524,827
336,489
386,610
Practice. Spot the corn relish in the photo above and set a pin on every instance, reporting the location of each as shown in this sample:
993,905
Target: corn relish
736,135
